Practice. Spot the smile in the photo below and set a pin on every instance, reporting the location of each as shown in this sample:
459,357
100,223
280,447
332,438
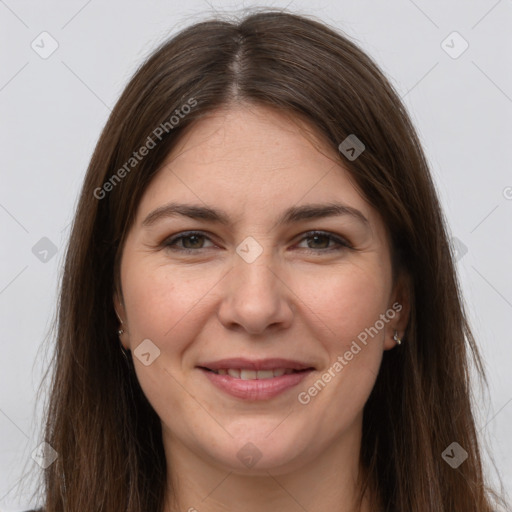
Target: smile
245,374
254,385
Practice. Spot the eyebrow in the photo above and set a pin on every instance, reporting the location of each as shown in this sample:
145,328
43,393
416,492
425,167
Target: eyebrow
291,215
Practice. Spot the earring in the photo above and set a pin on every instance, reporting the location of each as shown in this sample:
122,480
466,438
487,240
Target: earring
120,330
397,339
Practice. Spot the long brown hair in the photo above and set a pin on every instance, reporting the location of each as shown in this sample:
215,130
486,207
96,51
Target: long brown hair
108,437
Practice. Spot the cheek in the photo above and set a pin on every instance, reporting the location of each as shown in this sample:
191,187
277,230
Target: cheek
349,306
157,297
345,301
168,305
346,306
151,301
162,305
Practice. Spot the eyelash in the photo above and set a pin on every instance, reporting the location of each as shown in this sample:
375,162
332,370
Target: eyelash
342,244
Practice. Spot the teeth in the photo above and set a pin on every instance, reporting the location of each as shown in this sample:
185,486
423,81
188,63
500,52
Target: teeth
253,374
248,374
265,374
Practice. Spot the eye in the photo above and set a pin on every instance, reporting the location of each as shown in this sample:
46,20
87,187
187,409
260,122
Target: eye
190,241
321,240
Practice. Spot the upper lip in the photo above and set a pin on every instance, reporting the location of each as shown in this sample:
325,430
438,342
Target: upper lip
255,364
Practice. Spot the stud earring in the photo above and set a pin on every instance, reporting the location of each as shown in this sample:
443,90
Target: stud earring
397,339
120,330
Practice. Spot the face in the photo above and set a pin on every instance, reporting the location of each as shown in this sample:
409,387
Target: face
270,281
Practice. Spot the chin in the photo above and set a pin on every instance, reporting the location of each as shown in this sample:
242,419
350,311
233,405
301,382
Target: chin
262,451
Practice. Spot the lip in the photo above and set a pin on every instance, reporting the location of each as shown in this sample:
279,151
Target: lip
256,364
255,389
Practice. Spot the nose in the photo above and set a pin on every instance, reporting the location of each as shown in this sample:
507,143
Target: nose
255,297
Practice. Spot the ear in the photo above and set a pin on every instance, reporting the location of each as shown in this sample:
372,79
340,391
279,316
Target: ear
121,316
398,310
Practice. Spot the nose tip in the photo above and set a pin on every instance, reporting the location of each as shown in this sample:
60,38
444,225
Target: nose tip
255,299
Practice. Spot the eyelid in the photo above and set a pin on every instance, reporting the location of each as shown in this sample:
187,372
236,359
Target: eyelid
341,242
169,241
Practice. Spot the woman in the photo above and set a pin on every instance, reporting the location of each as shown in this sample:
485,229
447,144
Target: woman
259,307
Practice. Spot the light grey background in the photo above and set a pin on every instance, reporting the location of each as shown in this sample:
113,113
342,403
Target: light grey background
52,111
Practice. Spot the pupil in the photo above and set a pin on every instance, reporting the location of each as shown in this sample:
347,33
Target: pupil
316,237
193,238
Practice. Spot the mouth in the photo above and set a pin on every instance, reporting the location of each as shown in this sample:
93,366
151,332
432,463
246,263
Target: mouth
248,374
255,379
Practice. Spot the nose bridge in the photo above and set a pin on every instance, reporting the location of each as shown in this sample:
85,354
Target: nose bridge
255,298
254,280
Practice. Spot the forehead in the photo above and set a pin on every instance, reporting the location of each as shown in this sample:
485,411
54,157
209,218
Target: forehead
253,141
253,162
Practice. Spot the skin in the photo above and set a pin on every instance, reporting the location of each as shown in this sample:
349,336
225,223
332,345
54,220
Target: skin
299,299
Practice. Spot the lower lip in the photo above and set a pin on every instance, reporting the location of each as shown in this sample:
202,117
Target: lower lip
255,389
